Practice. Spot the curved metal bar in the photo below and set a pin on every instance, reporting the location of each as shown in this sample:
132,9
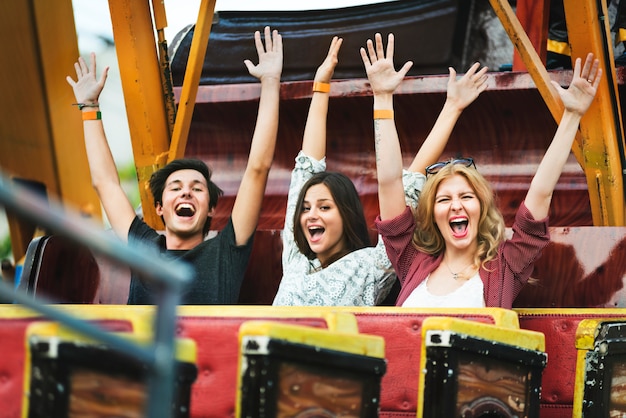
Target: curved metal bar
170,276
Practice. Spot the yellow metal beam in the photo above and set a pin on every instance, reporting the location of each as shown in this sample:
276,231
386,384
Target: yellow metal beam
160,23
602,126
133,32
596,135
41,137
192,79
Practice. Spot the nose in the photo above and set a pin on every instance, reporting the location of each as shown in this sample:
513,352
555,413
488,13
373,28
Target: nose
312,214
456,203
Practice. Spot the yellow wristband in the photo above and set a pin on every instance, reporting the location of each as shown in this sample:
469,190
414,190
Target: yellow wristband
92,115
383,114
321,87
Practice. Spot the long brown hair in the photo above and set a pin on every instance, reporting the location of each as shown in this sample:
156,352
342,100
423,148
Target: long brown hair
491,228
350,208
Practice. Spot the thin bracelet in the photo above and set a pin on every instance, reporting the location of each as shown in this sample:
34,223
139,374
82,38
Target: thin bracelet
92,115
81,105
321,87
383,114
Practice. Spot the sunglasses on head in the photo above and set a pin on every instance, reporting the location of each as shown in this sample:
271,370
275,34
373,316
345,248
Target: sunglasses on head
434,168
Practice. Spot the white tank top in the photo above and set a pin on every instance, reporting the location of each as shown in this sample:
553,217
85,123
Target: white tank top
469,295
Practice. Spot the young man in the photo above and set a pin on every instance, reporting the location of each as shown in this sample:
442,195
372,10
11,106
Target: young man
184,195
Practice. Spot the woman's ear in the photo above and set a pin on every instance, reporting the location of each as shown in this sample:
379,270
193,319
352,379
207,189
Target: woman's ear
159,209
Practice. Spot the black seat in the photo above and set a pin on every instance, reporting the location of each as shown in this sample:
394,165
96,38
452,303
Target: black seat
60,270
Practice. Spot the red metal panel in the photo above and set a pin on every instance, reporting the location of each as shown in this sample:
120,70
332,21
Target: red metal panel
534,16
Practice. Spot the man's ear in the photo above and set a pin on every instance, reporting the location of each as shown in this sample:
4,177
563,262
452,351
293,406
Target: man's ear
159,209
211,213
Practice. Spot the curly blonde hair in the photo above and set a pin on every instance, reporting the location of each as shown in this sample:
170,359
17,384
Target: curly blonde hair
491,228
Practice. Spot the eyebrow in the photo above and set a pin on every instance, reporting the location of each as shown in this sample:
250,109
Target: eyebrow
178,181
459,194
326,199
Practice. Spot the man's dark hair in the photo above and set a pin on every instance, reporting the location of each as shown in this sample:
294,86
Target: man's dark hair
350,208
158,179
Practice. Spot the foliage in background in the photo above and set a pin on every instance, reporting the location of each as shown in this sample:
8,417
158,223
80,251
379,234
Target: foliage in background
5,248
128,178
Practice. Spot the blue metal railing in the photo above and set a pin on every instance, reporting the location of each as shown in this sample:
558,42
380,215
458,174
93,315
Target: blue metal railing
171,276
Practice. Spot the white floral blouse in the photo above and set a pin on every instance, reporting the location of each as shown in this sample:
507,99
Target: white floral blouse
360,278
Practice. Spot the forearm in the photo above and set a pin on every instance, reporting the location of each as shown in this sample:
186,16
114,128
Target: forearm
247,206
266,128
388,161
101,163
549,171
314,139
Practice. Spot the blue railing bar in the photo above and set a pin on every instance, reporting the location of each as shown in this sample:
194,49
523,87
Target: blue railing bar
161,383
50,215
171,275
146,355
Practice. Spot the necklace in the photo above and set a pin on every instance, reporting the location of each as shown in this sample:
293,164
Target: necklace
456,275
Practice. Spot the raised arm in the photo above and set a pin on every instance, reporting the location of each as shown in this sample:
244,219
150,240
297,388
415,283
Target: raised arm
104,175
314,139
247,206
576,99
384,80
460,94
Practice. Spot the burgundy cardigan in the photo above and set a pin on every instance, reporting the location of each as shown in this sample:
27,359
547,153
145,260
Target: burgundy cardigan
503,277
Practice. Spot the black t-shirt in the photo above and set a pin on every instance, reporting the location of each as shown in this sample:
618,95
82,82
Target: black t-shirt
219,266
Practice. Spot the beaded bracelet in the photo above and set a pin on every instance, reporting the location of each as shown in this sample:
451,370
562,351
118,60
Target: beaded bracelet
82,105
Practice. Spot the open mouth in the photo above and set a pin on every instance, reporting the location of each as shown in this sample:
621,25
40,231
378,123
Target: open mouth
185,210
459,226
316,232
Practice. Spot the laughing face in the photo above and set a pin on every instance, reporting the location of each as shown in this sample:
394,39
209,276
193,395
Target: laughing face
185,205
457,213
322,223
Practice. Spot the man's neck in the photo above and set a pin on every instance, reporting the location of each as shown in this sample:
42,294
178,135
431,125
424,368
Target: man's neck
176,242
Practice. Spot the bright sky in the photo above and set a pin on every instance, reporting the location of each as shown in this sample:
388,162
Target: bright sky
93,18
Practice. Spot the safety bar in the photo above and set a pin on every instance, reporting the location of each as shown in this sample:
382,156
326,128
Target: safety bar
170,276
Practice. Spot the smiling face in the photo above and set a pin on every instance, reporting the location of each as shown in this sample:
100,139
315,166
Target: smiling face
457,213
184,207
321,223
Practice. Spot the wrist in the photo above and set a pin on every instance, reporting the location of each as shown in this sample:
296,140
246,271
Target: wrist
321,87
86,105
452,106
91,115
271,79
383,101
383,113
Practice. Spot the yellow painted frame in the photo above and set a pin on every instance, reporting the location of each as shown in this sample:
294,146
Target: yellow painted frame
345,338
521,338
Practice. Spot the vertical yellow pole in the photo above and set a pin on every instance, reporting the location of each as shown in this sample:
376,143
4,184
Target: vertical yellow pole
602,125
192,79
143,93
160,23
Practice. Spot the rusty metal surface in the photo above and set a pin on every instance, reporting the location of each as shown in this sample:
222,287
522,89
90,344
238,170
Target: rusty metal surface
582,267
